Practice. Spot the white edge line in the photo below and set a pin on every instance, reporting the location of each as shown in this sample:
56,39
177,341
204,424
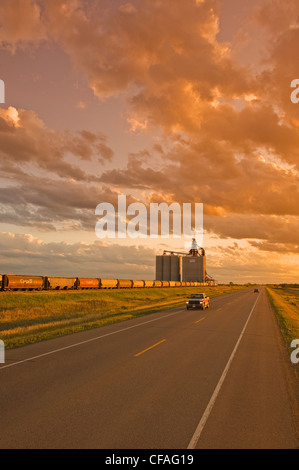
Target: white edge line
211,403
87,341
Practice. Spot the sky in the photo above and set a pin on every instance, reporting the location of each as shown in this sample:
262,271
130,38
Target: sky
185,101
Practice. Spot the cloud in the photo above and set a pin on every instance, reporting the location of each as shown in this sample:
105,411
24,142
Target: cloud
258,229
25,138
48,204
209,172
81,105
48,176
20,23
118,51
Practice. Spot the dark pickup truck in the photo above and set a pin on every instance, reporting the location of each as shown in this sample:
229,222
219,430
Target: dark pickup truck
198,301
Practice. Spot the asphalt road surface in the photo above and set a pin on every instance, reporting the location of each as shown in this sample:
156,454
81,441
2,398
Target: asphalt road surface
178,379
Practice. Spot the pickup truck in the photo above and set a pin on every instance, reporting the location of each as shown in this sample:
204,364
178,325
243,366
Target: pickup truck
200,300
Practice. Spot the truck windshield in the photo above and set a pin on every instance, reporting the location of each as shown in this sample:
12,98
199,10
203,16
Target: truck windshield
196,296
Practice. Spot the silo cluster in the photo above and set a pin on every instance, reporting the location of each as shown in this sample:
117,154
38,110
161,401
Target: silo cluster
177,266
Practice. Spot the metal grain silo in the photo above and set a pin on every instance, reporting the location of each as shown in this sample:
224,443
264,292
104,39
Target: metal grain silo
167,268
193,268
159,268
175,268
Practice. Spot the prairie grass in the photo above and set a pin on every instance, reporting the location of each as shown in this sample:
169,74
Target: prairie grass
285,302
27,317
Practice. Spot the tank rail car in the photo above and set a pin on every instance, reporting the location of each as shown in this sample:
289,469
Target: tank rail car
10,282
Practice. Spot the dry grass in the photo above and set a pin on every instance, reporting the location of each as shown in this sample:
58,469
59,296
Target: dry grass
286,305
285,301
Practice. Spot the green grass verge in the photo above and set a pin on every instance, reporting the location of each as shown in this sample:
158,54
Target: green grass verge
28,317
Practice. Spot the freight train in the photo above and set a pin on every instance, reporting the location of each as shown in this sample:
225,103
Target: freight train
38,283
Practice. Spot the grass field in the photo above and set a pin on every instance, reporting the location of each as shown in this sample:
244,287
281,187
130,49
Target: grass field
27,317
285,302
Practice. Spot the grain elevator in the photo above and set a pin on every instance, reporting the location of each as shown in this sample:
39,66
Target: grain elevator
179,266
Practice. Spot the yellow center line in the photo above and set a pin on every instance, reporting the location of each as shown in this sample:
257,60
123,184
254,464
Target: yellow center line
199,320
151,347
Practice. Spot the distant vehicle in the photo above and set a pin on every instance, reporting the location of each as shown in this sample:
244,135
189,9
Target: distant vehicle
256,290
199,300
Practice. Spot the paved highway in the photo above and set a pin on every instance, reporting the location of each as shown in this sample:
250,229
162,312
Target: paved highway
177,379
